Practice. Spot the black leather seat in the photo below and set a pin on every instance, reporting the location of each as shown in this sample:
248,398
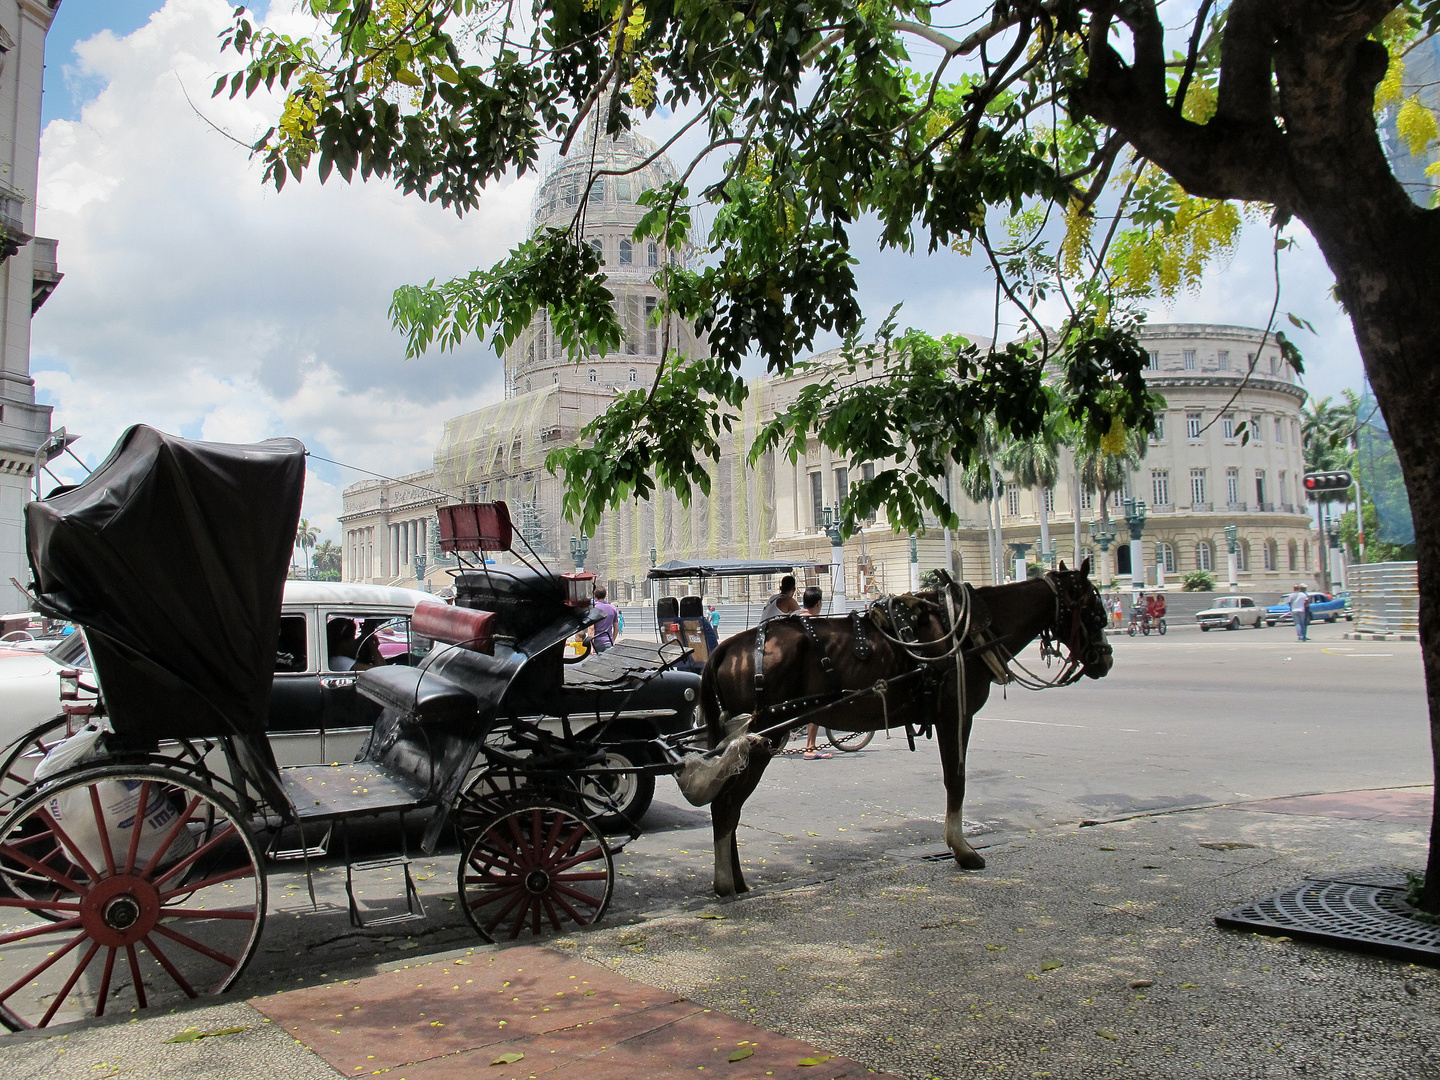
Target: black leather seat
425,697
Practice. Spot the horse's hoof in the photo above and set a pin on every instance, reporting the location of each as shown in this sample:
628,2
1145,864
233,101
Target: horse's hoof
970,860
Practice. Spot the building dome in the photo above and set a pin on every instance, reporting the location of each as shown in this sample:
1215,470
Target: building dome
615,171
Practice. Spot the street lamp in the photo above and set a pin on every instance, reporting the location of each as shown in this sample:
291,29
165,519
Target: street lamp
1232,547
1019,550
1135,518
914,564
420,572
1103,533
579,548
833,520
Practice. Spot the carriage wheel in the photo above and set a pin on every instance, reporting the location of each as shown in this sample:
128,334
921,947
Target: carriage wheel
132,916
17,766
534,867
849,741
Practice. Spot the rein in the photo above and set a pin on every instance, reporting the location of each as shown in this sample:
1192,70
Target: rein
1072,667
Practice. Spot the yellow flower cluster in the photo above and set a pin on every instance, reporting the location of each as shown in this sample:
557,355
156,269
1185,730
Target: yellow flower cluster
1113,441
1172,257
302,109
642,85
1077,237
1416,125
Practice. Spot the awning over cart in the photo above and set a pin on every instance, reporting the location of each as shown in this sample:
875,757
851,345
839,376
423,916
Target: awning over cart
708,568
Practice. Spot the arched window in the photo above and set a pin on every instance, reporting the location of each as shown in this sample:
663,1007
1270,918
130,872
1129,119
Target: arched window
654,255
1122,559
530,353
1272,559
599,249
1204,556
594,375
634,377
1165,555
1242,555
625,252
1290,550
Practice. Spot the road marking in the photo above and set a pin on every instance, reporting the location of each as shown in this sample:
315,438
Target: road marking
1042,723
1334,652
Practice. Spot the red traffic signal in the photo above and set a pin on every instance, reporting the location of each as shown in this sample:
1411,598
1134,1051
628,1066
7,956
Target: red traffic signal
1326,481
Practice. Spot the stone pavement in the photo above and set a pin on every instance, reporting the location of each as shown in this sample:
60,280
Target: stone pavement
1079,952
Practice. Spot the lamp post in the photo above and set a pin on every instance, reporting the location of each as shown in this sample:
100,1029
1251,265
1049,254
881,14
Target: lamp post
914,564
420,572
832,522
1232,547
1135,518
1103,533
579,548
1019,551
1337,559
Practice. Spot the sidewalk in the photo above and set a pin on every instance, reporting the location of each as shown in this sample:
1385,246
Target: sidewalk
1078,953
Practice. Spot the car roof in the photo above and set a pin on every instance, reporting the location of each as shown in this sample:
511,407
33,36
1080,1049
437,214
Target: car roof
349,592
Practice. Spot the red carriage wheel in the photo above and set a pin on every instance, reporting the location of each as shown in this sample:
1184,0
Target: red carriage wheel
17,766
536,866
153,893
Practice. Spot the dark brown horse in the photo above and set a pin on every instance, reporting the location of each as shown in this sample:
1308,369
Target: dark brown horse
912,651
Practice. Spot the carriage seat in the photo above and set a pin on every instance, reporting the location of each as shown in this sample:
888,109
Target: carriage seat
424,696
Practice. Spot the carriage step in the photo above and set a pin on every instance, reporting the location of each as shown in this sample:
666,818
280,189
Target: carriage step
414,908
315,851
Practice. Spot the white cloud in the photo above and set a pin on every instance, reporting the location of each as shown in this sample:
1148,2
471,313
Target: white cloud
198,299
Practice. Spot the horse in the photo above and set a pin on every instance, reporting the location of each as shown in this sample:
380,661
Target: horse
931,654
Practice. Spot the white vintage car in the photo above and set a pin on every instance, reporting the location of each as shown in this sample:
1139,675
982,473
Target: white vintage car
1230,612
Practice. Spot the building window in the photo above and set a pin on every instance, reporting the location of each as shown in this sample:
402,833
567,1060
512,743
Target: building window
1012,500
1260,492
1197,487
1160,486
632,325
867,471
1158,435
1192,424
622,189
842,483
1294,433
1087,499
1273,368
1270,555
597,190
542,345
1204,556
1242,555
1257,432
1227,425
652,333
654,253
1292,552
1284,493
1232,486
817,501
1222,361
1049,500
593,375
598,247
1279,430
1165,556
1189,359
530,353
626,250
634,375
1154,364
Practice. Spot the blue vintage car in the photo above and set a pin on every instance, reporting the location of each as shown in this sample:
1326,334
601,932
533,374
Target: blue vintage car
1323,608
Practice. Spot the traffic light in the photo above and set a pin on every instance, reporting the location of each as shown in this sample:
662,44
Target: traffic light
1316,482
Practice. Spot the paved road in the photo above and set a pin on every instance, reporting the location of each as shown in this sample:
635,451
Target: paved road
1182,720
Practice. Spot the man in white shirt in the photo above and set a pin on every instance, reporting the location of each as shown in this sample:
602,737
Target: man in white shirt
1299,602
783,602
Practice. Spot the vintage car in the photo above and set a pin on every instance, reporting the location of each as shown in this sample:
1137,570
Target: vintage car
1229,612
1323,608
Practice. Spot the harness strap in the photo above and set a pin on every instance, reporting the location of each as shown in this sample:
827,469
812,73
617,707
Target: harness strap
859,638
827,666
760,669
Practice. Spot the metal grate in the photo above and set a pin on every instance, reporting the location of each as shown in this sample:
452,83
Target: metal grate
1363,910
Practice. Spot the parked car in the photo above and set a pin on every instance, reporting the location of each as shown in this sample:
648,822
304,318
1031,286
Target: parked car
1230,612
1323,608
1348,612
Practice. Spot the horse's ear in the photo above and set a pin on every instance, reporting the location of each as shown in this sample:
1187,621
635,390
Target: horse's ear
1085,567
1062,566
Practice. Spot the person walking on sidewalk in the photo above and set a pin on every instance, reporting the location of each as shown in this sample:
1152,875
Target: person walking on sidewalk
811,601
1299,602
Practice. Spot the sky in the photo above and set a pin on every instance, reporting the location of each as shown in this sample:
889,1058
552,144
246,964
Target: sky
201,301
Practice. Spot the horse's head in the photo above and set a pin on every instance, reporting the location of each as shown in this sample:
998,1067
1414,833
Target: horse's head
1080,619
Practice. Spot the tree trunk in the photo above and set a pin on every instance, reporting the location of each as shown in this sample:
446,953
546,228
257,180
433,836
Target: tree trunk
1044,524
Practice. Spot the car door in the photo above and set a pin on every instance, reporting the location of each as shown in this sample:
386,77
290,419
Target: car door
295,696
381,637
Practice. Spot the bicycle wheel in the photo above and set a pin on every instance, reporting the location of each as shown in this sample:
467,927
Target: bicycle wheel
849,741
155,892
536,866
1132,629
1161,627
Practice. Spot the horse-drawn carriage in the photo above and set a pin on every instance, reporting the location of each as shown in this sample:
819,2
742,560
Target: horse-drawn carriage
132,869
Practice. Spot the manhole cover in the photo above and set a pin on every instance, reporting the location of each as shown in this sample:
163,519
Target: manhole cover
1362,910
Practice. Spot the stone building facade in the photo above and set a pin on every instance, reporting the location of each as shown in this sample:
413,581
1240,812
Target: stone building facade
1227,452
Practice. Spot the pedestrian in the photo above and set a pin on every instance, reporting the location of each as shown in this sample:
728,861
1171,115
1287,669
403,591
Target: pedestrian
602,634
1117,607
1299,602
811,602
715,618
783,602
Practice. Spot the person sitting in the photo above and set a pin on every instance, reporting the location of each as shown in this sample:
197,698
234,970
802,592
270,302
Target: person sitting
340,644
1155,608
812,600
783,602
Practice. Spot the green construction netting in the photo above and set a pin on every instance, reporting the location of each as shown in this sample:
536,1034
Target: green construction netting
1379,474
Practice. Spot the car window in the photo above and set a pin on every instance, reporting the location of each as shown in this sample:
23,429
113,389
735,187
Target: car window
1247,602
71,651
369,640
292,652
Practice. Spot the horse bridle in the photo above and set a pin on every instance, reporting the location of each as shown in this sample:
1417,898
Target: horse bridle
1075,627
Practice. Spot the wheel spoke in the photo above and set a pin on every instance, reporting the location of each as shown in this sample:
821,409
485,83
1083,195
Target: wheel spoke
190,860
598,875
168,966
201,913
536,915
36,931
39,905
520,917
198,946
557,852
500,915
498,854
575,916
575,860
104,829
44,965
583,897
69,983
135,978
104,992
548,852
76,855
522,849
60,879
552,913
135,833
193,887
159,852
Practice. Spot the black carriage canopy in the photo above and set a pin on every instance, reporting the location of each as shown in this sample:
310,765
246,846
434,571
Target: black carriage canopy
172,555
708,568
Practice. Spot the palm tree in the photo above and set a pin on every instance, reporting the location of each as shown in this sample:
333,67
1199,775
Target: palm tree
1106,474
305,537
1035,463
981,484
326,560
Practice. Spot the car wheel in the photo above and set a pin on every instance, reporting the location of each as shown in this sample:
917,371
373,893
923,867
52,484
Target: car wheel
1235,623
1332,618
616,800
1269,623
1204,629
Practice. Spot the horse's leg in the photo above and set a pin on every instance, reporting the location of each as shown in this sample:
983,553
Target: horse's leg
953,734
725,818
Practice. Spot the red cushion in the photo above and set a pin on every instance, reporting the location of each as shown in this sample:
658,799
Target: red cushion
468,628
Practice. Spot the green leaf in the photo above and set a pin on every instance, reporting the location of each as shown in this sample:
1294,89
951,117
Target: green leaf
742,1053
192,1034
407,77
820,1060
508,1058
1050,965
